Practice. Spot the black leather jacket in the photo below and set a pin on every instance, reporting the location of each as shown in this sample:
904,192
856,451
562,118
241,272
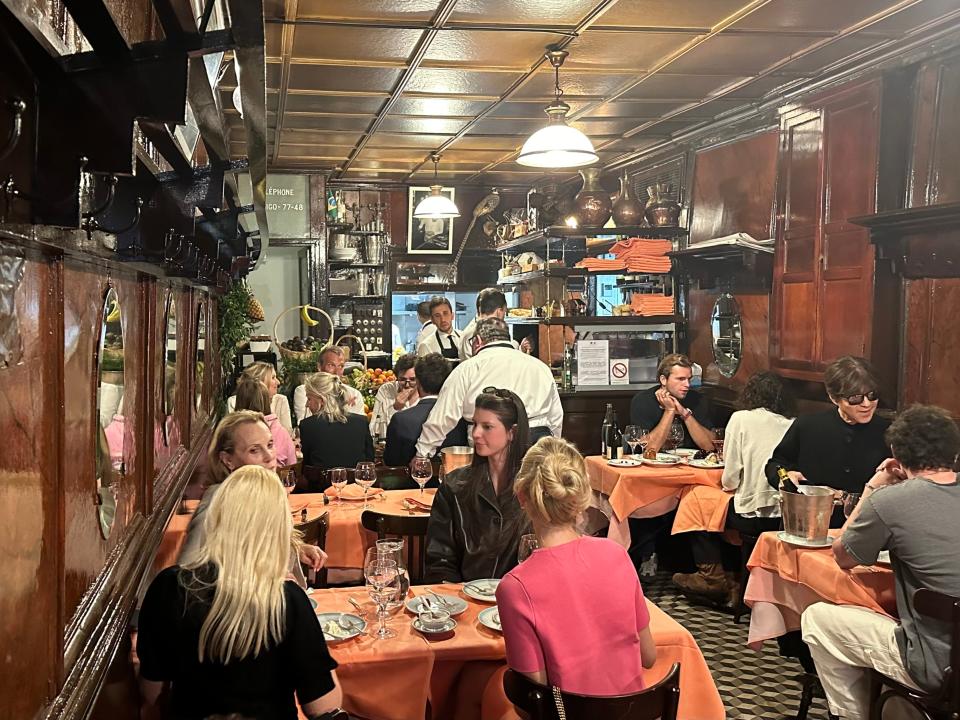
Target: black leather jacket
451,555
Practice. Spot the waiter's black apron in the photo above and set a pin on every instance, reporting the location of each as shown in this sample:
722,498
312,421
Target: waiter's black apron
451,353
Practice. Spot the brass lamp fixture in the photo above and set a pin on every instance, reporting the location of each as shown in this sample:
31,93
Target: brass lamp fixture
436,205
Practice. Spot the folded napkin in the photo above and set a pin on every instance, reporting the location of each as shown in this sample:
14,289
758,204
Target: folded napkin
414,504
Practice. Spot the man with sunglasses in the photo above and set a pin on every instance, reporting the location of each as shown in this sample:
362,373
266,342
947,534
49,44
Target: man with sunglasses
498,364
395,395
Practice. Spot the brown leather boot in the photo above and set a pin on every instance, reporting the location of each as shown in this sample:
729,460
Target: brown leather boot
709,580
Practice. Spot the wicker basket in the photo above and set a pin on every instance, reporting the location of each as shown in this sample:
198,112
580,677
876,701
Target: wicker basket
297,354
347,350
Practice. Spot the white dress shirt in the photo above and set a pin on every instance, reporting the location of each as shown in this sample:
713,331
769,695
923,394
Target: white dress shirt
279,406
748,444
383,408
496,365
353,397
425,329
429,343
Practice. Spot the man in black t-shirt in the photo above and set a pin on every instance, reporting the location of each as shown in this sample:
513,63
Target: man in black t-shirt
672,401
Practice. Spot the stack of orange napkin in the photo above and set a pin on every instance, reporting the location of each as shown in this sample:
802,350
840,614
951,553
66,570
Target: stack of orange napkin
651,305
633,255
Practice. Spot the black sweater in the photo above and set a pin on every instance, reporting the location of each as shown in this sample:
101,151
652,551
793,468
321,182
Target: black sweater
329,444
830,452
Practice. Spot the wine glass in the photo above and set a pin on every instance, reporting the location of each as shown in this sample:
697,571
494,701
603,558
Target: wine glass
383,582
675,436
528,543
849,501
288,478
643,439
338,479
365,476
421,470
718,442
631,435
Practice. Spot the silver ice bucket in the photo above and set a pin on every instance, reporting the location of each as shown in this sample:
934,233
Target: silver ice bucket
373,249
806,516
455,456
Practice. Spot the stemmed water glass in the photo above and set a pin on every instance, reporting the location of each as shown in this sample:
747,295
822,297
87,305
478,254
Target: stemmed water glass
421,470
383,583
718,442
365,476
338,479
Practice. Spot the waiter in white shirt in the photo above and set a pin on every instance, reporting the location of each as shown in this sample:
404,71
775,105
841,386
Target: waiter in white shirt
426,324
444,339
330,361
491,302
498,364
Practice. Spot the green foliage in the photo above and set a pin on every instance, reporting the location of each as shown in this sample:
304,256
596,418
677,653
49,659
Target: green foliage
234,323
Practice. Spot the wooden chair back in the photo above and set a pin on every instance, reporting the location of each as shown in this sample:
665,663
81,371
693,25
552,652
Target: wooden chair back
945,609
413,530
395,478
660,701
315,533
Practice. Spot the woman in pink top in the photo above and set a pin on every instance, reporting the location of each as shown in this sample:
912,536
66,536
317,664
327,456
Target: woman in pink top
573,613
253,395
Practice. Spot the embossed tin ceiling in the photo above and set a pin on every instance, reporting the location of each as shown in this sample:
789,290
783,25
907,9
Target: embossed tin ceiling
367,89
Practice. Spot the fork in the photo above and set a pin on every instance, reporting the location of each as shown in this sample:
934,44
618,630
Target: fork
347,624
439,600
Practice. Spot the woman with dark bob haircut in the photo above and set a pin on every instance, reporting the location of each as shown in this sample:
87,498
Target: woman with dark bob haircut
476,521
841,447
766,409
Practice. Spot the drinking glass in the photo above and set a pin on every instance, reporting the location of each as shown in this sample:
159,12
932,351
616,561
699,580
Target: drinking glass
365,476
338,479
392,549
383,581
288,478
631,435
849,501
718,442
643,440
528,543
675,436
421,470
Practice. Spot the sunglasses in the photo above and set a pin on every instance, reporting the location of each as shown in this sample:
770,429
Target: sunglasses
406,381
498,392
858,399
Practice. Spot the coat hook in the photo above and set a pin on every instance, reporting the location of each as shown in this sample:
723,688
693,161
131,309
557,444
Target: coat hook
137,210
108,203
18,107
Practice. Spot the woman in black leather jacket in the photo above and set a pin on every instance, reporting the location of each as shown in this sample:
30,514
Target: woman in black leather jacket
476,521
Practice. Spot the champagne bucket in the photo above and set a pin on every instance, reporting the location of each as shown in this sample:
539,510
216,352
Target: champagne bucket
807,516
373,249
455,456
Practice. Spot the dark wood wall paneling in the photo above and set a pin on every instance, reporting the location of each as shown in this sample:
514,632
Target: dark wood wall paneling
754,320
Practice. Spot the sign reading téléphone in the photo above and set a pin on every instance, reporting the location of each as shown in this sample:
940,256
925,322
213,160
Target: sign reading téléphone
288,206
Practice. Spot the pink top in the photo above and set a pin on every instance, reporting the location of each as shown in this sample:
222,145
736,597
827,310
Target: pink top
576,610
282,443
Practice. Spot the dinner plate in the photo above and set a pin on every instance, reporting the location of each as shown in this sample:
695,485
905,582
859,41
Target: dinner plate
450,603
490,618
333,632
624,462
803,542
663,460
482,590
703,464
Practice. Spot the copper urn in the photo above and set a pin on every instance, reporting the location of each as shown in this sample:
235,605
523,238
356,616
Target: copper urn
593,205
627,210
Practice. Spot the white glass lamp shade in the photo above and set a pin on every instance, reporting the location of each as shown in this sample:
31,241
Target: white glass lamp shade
557,146
237,102
436,205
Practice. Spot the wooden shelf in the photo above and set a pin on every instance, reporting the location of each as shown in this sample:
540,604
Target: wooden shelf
557,272
558,234
599,320
350,263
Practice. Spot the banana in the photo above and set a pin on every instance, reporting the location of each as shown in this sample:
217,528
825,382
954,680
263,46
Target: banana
305,316
114,314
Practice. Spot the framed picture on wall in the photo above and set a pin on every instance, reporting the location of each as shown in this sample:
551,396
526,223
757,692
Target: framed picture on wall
428,235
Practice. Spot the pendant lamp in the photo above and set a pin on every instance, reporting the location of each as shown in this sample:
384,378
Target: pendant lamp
436,205
557,145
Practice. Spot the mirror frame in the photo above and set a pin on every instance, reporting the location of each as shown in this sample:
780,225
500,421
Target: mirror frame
725,365
171,411
106,488
200,394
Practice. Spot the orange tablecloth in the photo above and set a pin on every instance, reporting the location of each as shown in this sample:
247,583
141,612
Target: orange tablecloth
786,579
702,507
631,489
347,540
394,679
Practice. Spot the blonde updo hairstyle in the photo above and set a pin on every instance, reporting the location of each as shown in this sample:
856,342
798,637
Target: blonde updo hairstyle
259,371
328,388
553,479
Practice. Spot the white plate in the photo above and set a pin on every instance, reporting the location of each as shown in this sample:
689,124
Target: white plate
447,627
453,605
802,542
663,460
624,462
703,464
883,557
685,452
490,618
482,590
339,633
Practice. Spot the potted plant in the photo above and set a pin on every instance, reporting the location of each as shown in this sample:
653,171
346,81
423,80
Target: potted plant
235,323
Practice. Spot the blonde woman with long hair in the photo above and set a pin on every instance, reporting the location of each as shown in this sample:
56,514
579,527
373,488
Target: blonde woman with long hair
266,373
572,581
240,438
331,436
225,630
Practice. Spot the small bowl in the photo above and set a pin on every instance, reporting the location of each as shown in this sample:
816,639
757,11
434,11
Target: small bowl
439,625
685,453
259,346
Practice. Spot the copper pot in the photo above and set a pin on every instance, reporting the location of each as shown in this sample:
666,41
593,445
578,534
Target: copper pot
593,206
662,210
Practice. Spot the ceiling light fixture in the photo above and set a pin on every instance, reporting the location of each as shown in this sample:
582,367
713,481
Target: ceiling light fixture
436,204
557,145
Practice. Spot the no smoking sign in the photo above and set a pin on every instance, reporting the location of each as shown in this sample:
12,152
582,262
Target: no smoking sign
619,372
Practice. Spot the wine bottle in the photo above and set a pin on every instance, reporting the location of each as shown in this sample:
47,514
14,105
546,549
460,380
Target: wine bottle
607,419
786,484
567,367
614,440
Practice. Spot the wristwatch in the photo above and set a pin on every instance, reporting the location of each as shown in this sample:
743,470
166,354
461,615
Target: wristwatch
687,412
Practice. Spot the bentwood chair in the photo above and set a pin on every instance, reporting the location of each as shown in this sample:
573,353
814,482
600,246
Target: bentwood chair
538,701
946,703
395,478
413,530
315,533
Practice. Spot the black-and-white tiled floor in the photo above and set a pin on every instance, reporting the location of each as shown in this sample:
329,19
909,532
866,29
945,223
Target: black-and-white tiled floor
754,686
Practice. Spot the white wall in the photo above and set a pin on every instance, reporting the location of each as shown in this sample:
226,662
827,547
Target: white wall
276,284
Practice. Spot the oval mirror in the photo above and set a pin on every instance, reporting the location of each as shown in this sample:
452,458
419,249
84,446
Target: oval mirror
169,372
108,443
726,330
201,343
